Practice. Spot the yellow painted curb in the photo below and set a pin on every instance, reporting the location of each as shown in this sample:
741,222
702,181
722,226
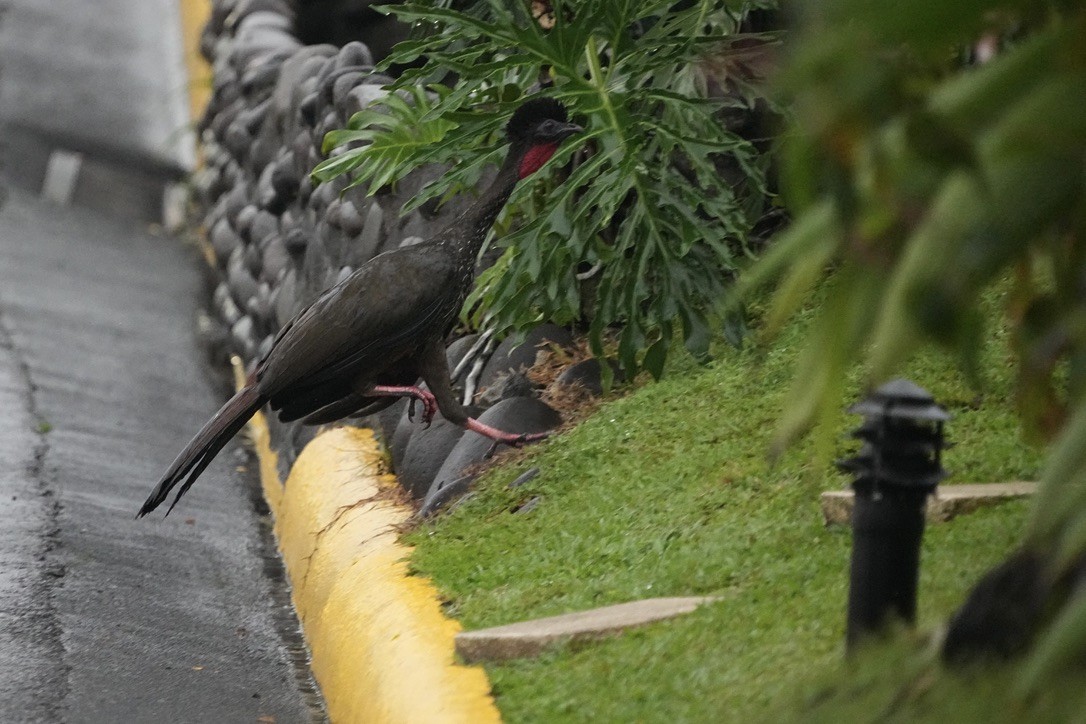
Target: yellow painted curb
381,649
194,16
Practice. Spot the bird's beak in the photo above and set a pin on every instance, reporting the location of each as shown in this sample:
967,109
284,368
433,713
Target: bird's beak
568,129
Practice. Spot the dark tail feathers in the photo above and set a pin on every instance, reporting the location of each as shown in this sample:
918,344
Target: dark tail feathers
203,448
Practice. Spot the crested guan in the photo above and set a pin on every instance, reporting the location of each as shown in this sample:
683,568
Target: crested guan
367,340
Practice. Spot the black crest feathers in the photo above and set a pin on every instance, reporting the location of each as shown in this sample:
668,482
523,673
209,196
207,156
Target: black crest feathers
531,113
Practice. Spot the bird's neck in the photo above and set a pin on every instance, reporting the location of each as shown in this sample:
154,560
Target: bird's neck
475,223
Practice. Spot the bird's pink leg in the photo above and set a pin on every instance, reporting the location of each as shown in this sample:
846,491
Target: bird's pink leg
500,436
429,404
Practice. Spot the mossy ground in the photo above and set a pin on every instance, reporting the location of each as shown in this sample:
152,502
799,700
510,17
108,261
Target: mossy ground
667,491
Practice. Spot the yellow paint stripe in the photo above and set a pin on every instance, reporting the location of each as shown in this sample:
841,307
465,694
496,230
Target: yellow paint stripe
194,15
382,651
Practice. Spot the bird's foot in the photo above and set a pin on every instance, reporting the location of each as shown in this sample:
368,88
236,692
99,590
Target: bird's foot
429,407
527,437
500,437
429,402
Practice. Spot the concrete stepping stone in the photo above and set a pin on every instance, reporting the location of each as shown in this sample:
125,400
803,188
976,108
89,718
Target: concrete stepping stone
948,502
531,638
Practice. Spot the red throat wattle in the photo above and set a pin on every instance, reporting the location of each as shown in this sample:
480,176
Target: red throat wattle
535,158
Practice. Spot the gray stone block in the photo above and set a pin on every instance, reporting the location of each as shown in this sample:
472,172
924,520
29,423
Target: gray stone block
335,243
424,454
511,356
284,180
305,191
265,192
237,140
458,348
326,70
268,49
370,238
207,184
305,63
258,307
225,116
241,335
224,241
253,118
244,8
235,200
310,109
266,19
354,54
296,242
300,148
349,219
263,152
265,225
308,85
330,121
224,304
343,84
288,219
225,86
331,213
261,47
524,478
515,415
380,79
254,259
232,173
324,195
586,375
245,222
361,97
387,421
315,272
314,155
275,259
401,437
516,384
329,81
285,303
242,283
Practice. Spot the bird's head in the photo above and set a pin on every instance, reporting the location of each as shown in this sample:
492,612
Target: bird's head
536,129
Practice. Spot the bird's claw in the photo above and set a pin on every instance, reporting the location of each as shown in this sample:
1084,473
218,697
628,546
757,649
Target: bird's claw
527,437
518,441
429,409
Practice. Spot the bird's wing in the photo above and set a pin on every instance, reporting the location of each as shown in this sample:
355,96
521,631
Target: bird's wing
378,314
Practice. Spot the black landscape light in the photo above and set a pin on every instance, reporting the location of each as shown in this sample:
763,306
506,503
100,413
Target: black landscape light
897,468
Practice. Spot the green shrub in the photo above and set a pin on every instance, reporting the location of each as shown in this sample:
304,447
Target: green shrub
639,225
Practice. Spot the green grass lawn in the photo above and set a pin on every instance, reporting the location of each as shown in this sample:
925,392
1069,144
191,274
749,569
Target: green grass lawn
667,492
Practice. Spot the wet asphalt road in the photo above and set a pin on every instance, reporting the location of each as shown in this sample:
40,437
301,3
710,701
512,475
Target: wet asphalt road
104,618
